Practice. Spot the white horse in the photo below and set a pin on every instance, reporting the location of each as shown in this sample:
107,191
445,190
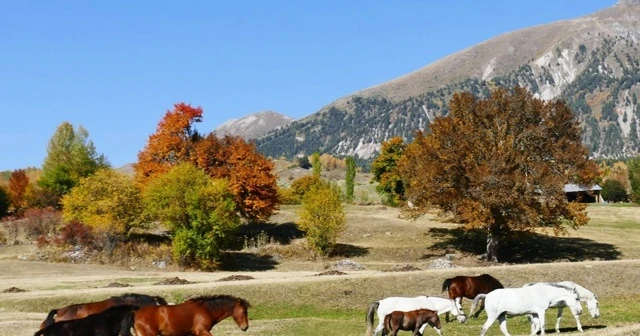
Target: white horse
533,299
584,294
405,304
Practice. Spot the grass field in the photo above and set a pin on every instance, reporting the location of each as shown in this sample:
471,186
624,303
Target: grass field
288,299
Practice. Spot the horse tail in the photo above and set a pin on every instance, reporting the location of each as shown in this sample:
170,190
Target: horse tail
50,318
446,284
372,309
127,324
475,303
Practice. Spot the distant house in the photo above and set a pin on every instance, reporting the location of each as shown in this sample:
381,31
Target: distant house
582,194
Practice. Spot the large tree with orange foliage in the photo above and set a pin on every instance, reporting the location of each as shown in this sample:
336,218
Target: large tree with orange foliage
500,164
18,183
249,173
172,143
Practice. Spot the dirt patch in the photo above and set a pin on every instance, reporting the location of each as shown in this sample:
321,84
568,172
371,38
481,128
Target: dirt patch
173,281
236,278
332,272
117,284
403,268
13,290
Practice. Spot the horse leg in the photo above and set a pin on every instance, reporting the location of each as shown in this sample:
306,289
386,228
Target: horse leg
558,319
502,318
541,320
379,329
446,317
487,324
577,317
532,323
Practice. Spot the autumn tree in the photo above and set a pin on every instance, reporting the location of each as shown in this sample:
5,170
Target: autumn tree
385,171
249,174
499,164
200,212
70,157
172,143
107,201
322,217
18,183
350,178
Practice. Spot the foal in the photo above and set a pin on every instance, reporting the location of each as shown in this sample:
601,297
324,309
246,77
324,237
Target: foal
411,321
105,323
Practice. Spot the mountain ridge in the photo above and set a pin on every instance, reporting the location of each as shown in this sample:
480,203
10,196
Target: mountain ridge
592,62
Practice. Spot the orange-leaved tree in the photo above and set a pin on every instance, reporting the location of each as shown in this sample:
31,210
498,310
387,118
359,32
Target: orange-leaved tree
250,174
18,182
500,164
385,170
176,141
172,143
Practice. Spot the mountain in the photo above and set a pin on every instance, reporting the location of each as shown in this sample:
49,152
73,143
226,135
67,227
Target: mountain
592,62
254,125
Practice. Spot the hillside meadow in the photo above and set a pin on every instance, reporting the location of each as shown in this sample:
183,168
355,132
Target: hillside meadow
289,299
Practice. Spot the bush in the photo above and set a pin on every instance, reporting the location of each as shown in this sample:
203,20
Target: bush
301,185
613,191
200,211
70,234
288,196
322,217
107,201
304,162
39,222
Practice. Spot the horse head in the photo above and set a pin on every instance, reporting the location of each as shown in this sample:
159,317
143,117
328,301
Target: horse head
592,306
573,302
240,314
458,312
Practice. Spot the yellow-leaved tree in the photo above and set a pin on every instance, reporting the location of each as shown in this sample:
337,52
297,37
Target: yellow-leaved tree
322,217
107,201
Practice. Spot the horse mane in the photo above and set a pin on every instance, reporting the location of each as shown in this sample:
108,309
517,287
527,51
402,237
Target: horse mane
220,301
554,284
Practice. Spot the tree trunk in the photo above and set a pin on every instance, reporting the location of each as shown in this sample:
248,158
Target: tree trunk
492,247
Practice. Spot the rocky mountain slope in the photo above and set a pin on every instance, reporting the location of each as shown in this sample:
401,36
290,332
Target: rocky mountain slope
254,125
592,62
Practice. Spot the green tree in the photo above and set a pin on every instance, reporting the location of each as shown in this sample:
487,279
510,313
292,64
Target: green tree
322,217
614,191
385,171
315,164
107,201
634,177
499,165
303,162
350,178
200,211
70,157
4,202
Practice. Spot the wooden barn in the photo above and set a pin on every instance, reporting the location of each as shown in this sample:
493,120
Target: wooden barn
583,194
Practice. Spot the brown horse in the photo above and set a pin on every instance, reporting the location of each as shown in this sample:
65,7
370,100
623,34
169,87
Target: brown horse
411,321
193,317
81,310
469,287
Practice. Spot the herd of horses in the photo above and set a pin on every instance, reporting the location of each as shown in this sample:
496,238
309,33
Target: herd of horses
152,315
146,315
533,299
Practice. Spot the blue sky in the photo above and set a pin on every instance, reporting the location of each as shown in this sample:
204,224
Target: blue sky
116,67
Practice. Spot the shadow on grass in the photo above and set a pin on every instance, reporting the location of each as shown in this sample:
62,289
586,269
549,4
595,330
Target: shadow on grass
243,261
573,329
282,233
529,248
349,251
